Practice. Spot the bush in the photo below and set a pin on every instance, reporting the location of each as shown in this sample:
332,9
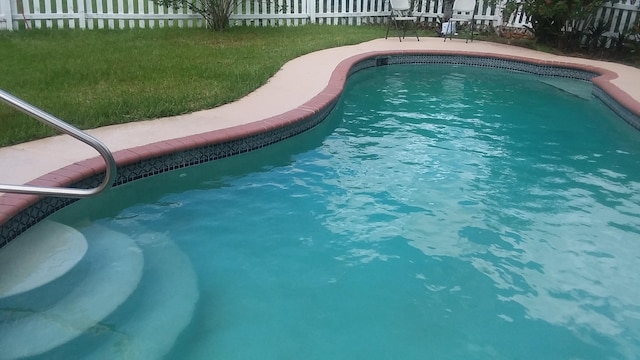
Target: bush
557,22
216,13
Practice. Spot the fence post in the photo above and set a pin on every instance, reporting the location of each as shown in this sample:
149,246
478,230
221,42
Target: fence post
82,19
6,14
499,8
311,9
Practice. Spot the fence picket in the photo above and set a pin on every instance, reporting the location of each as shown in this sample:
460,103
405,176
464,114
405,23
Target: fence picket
99,11
58,10
273,7
242,10
70,9
48,9
26,9
118,9
110,24
130,11
82,21
287,10
36,10
140,10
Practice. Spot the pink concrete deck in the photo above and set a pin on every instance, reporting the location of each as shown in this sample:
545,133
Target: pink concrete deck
61,160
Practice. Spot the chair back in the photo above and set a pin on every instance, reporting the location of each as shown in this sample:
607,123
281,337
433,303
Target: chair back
464,7
400,5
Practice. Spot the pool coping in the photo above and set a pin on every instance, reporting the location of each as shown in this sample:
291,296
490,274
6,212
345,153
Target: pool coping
13,207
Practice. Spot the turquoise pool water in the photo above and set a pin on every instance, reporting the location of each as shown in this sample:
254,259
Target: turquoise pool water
440,212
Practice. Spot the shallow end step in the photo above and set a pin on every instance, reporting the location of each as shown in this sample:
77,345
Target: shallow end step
113,265
42,254
162,307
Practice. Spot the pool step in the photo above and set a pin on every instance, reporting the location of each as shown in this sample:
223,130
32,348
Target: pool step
147,326
54,313
44,253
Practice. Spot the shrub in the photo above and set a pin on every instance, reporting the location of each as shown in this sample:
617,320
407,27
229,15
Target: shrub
556,22
216,13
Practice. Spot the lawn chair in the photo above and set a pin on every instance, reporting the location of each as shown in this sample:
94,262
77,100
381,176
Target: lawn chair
463,11
401,13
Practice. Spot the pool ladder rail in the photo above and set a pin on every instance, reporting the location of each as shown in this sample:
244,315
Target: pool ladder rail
48,119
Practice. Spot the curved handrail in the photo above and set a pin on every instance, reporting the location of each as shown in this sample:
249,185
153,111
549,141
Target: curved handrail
40,115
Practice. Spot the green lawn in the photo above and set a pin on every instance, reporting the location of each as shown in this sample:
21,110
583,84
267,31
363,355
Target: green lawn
94,78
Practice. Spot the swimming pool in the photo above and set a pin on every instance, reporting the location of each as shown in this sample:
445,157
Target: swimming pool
460,229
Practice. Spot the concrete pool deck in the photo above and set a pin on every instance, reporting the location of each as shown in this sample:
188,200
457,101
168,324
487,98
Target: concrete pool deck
299,81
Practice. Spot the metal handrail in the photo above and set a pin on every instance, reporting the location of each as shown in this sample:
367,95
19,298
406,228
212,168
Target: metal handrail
40,115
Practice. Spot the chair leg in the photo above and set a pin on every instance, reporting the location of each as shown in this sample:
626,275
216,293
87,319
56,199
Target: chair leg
388,26
452,28
444,31
397,30
404,28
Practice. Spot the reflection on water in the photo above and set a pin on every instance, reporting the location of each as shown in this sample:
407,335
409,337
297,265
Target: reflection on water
528,194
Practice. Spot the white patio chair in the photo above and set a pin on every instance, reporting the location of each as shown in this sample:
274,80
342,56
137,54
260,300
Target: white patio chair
463,11
401,12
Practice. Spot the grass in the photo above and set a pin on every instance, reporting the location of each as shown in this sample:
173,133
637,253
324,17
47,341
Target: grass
96,78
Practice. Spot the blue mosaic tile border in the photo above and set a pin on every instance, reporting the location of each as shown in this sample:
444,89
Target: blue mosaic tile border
468,60
150,167
31,216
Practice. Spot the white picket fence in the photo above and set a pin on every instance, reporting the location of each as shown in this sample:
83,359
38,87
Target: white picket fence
123,14
622,16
